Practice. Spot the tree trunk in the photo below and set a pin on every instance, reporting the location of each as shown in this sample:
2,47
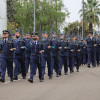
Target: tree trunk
90,27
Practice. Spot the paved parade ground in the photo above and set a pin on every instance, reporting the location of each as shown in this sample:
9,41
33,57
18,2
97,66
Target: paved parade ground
84,85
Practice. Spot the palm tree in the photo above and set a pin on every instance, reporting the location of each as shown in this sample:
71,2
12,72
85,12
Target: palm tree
91,13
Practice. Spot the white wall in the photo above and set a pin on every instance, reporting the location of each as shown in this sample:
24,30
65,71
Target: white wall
3,15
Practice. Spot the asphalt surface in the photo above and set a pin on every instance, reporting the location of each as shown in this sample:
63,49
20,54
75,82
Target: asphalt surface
83,85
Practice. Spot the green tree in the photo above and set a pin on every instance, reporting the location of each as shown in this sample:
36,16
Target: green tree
75,27
47,14
91,13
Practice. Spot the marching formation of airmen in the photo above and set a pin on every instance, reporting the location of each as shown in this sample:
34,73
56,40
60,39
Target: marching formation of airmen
53,51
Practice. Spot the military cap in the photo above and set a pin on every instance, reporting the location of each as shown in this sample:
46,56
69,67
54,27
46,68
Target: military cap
62,34
53,32
90,32
13,35
5,32
17,31
44,32
34,34
28,33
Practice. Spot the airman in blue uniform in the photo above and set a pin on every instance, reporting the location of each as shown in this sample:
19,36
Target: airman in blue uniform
84,52
77,53
63,54
6,56
71,54
91,49
28,51
34,58
54,54
45,55
97,49
19,56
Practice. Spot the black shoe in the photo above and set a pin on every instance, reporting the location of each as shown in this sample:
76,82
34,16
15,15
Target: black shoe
84,63
50,77
35,73
66,74
15,78
2,80
88,66
57,75
94,66
11,80
60,73
30,80
77,70
8,75
97,64
73,71
19,73
41,80
24,77
42,77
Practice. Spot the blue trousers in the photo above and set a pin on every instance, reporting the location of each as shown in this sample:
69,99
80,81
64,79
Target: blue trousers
91,56
34,64
55,64
6,63
19,62
0,65
84,58
97,57
78,61
63,60
27,63
44,59
71,63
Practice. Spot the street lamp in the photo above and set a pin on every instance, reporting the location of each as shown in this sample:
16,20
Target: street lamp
83,20
34,15
78,29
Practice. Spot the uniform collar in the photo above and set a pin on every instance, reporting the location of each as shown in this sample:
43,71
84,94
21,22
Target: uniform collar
35,42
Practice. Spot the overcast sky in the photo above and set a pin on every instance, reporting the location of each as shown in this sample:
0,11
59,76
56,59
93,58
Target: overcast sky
73,7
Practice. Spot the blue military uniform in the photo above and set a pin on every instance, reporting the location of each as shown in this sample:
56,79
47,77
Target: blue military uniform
63,56
45,57
54,56
19,57
35,60
71,56
77,54
91,51
0,58
0,66
84,52
98,51
27,54
6,57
